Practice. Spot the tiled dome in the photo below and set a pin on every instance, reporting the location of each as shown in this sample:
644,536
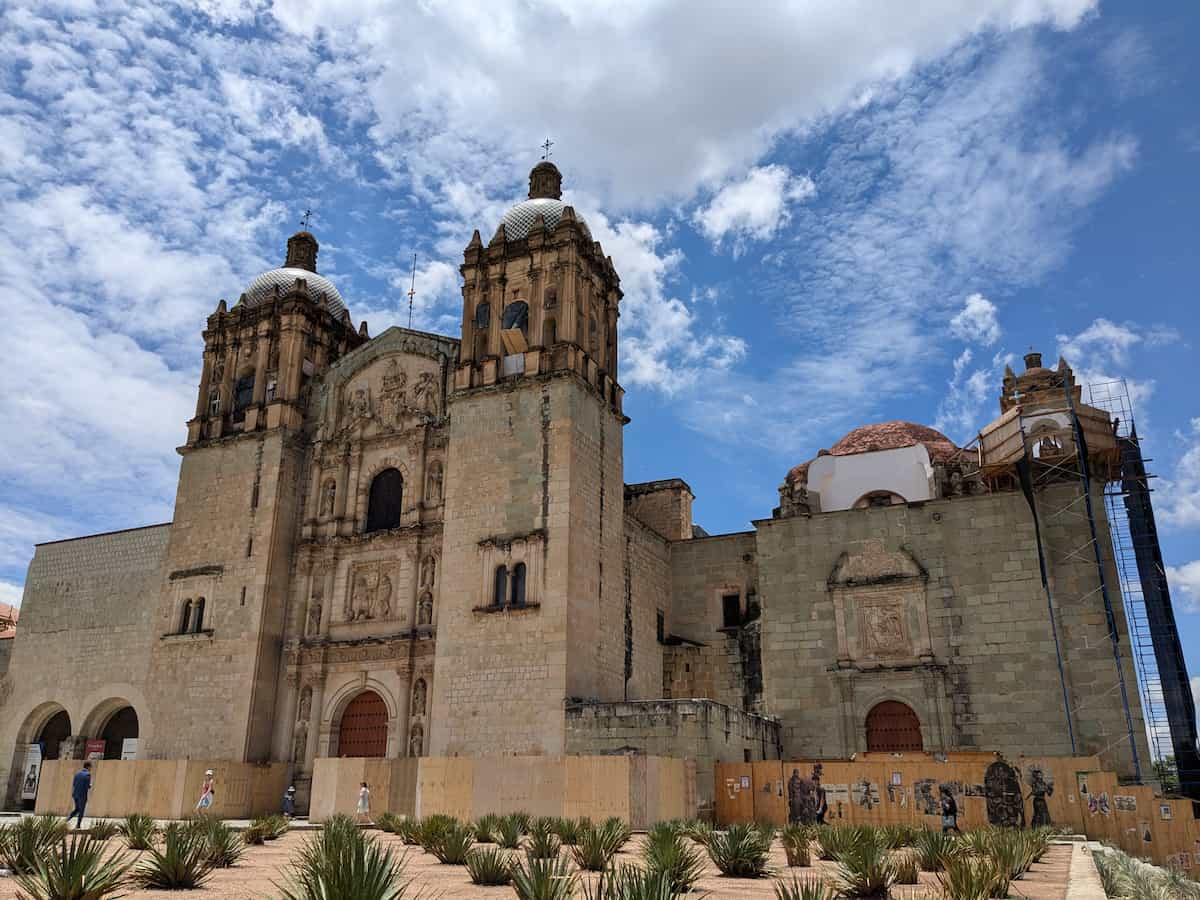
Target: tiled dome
885,436
318,288
520,218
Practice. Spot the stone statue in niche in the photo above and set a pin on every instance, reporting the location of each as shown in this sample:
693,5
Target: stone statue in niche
328,495
882,628
416,741
358,402
392,398
314,619
425,393
428,571
418,704
305,704
433,495
383,599
300,742
425,609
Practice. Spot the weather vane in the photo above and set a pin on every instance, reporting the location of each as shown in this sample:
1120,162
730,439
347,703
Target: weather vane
546,148
306,218
412,290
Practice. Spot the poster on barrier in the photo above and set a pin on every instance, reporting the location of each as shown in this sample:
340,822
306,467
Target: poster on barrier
32,770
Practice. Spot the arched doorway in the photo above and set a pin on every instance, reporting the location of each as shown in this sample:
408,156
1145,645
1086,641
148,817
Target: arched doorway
363,728
56,730
892,727
121,725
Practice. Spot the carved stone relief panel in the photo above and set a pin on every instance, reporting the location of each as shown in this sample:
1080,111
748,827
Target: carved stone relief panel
882,629
393,394
880,605
369,593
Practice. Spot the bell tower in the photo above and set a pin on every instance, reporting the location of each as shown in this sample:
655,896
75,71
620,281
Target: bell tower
535,496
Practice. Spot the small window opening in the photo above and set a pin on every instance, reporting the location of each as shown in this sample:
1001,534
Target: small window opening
243,396
549,332
270,391
249,547
731,610
746,755
198,616
518,584
243,595
214,402
185,618
551,300
500,586
660,626
483,315
516,315
593,341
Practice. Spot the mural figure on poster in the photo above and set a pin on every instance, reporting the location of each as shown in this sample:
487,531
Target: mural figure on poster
806,798
1005,807
1041,786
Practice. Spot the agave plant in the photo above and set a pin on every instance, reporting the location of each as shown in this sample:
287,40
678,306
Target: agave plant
485,829
796,840
544,879
77,870
568,831
699,831
831,841
767,830
139,831
967,877
182,863
451,844
409,831
342,862
619,828
29,842
908,869
740,852
668,854
523,819
933,848
508,833
222,845
598,844
808,889
865,867
628,882
432,827
897,836
254,834
489,866
543,842
103,829
387,822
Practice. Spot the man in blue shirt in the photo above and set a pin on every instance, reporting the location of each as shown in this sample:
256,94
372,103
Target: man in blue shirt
80,786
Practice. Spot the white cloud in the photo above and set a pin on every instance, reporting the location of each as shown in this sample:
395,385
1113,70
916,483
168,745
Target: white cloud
10,593
1178,500
1185,585
644,99
962,411
976,321
754,207
1102,354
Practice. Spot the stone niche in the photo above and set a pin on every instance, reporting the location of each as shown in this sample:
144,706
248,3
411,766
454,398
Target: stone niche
880,604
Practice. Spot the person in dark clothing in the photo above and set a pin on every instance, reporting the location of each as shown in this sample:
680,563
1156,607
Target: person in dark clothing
949,813
81,785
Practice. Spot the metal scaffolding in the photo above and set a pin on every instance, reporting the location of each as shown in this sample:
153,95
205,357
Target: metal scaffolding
1167,704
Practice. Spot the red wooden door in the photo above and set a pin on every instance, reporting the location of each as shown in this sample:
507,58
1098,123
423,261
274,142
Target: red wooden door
892,726
363,729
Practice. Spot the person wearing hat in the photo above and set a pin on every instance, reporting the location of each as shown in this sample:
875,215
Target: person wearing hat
289,801
207,792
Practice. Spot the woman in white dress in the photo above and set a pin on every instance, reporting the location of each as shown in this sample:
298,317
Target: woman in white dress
364,803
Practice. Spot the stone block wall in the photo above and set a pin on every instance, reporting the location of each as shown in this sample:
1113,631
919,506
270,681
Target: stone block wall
88,620
703,570
647,593
980,671
703,731
665,506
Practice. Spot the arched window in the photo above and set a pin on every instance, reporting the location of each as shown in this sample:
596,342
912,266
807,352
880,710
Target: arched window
243,395
500,591
198,615
873,499
483,315
518,584
214,402
516,315
383,504
185,616
122,725
893,727
549,332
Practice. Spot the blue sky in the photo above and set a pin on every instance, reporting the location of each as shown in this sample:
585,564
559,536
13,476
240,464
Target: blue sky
824,214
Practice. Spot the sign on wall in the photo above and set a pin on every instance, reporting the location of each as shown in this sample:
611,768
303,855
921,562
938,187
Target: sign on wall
33,771
129,748
94,749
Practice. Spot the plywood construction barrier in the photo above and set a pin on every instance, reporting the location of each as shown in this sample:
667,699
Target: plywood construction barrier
640,789
905,788
164,789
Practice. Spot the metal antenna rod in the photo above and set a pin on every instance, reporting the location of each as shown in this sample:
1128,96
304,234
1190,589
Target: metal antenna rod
412,290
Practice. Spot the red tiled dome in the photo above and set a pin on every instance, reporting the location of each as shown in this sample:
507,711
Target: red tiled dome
886,436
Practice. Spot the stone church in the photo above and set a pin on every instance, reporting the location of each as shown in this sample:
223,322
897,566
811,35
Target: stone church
414,544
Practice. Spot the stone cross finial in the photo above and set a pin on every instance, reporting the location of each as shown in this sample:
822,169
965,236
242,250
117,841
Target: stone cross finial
546,148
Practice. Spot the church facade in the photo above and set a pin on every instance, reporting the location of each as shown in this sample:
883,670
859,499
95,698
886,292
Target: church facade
413,544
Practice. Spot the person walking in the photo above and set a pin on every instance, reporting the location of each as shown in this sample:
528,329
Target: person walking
364,803
949,813
207,791
81,786
289,802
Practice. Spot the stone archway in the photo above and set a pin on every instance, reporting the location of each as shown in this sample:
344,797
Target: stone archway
363,726
53,733
893,727
121,725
